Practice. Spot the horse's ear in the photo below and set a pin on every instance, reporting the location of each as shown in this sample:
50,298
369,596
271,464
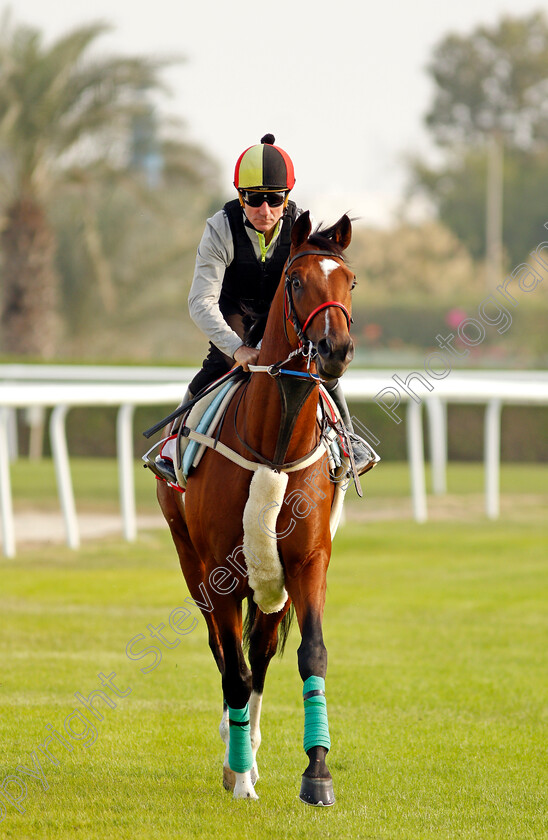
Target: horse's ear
342,232
301,229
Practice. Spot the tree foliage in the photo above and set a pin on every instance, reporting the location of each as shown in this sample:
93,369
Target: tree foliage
493,80
424,260
67,124
57,104
126,257
457,191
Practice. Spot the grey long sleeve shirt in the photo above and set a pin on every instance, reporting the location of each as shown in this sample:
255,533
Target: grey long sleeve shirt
215,253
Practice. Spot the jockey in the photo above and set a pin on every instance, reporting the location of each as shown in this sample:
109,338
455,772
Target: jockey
238,268
241,257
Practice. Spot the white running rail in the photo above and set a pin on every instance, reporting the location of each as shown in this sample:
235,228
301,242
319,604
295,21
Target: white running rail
64,387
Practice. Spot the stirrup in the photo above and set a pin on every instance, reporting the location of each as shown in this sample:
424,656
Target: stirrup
162,468
365,457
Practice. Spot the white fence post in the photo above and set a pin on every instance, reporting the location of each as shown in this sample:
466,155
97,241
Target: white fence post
6,506
62,472
13,440
415,448
492,458
124,434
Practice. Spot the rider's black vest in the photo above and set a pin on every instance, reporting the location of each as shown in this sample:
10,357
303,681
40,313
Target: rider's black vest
250,284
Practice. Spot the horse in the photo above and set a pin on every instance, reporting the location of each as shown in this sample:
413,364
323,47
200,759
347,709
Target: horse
273,419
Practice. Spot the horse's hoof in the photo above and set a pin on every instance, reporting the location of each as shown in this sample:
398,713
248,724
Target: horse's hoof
243,789
229,778
317,791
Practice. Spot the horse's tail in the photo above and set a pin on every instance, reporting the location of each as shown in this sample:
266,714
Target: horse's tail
283,629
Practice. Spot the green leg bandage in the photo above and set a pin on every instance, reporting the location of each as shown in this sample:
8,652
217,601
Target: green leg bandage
316,729
240,756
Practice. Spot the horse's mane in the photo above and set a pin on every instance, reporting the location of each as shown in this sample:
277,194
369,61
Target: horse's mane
254,326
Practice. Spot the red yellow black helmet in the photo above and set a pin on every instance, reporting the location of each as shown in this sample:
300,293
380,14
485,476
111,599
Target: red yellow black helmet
264,167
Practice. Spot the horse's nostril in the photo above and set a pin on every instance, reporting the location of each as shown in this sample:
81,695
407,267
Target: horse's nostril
324,347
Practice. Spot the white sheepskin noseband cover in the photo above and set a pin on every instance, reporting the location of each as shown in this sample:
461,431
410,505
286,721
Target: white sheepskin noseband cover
266,575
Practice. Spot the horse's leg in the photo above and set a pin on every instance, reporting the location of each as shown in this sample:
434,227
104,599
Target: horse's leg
236,681
263,642
308,594
194,573
229,777
191,565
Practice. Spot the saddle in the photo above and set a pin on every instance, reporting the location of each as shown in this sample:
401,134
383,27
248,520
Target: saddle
200,426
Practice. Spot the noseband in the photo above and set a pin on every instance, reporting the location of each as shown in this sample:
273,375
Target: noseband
289,306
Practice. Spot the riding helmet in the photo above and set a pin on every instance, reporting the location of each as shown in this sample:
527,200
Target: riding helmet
264,167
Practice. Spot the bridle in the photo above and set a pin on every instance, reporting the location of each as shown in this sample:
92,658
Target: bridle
292,396
305,347
289,306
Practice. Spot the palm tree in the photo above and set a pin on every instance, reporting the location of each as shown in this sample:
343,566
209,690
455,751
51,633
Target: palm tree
61,110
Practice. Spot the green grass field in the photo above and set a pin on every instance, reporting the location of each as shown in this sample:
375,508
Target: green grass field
437,690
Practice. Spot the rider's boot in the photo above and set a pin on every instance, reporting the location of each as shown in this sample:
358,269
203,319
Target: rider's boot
365,456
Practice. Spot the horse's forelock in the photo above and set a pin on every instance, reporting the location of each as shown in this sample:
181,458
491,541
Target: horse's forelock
322,238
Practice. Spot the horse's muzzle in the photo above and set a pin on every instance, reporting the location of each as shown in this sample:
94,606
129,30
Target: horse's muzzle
333,357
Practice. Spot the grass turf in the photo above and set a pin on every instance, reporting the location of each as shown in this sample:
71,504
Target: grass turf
436,689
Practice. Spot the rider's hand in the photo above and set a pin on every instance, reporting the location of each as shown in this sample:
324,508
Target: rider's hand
245,356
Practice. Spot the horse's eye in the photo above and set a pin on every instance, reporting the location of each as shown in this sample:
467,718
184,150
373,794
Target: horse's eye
354,284
295,281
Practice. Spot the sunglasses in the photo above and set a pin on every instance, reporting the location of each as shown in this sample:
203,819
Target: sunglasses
255,199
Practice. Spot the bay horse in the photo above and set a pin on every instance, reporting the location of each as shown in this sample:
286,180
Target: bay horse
273,419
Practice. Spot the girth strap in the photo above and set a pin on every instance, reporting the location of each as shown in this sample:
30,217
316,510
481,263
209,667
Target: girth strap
229,453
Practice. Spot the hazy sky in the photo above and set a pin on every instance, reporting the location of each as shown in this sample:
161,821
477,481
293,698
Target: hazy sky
341,84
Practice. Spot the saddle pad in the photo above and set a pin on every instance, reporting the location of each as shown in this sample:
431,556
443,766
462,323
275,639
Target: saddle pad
205,425
334,450
338,461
